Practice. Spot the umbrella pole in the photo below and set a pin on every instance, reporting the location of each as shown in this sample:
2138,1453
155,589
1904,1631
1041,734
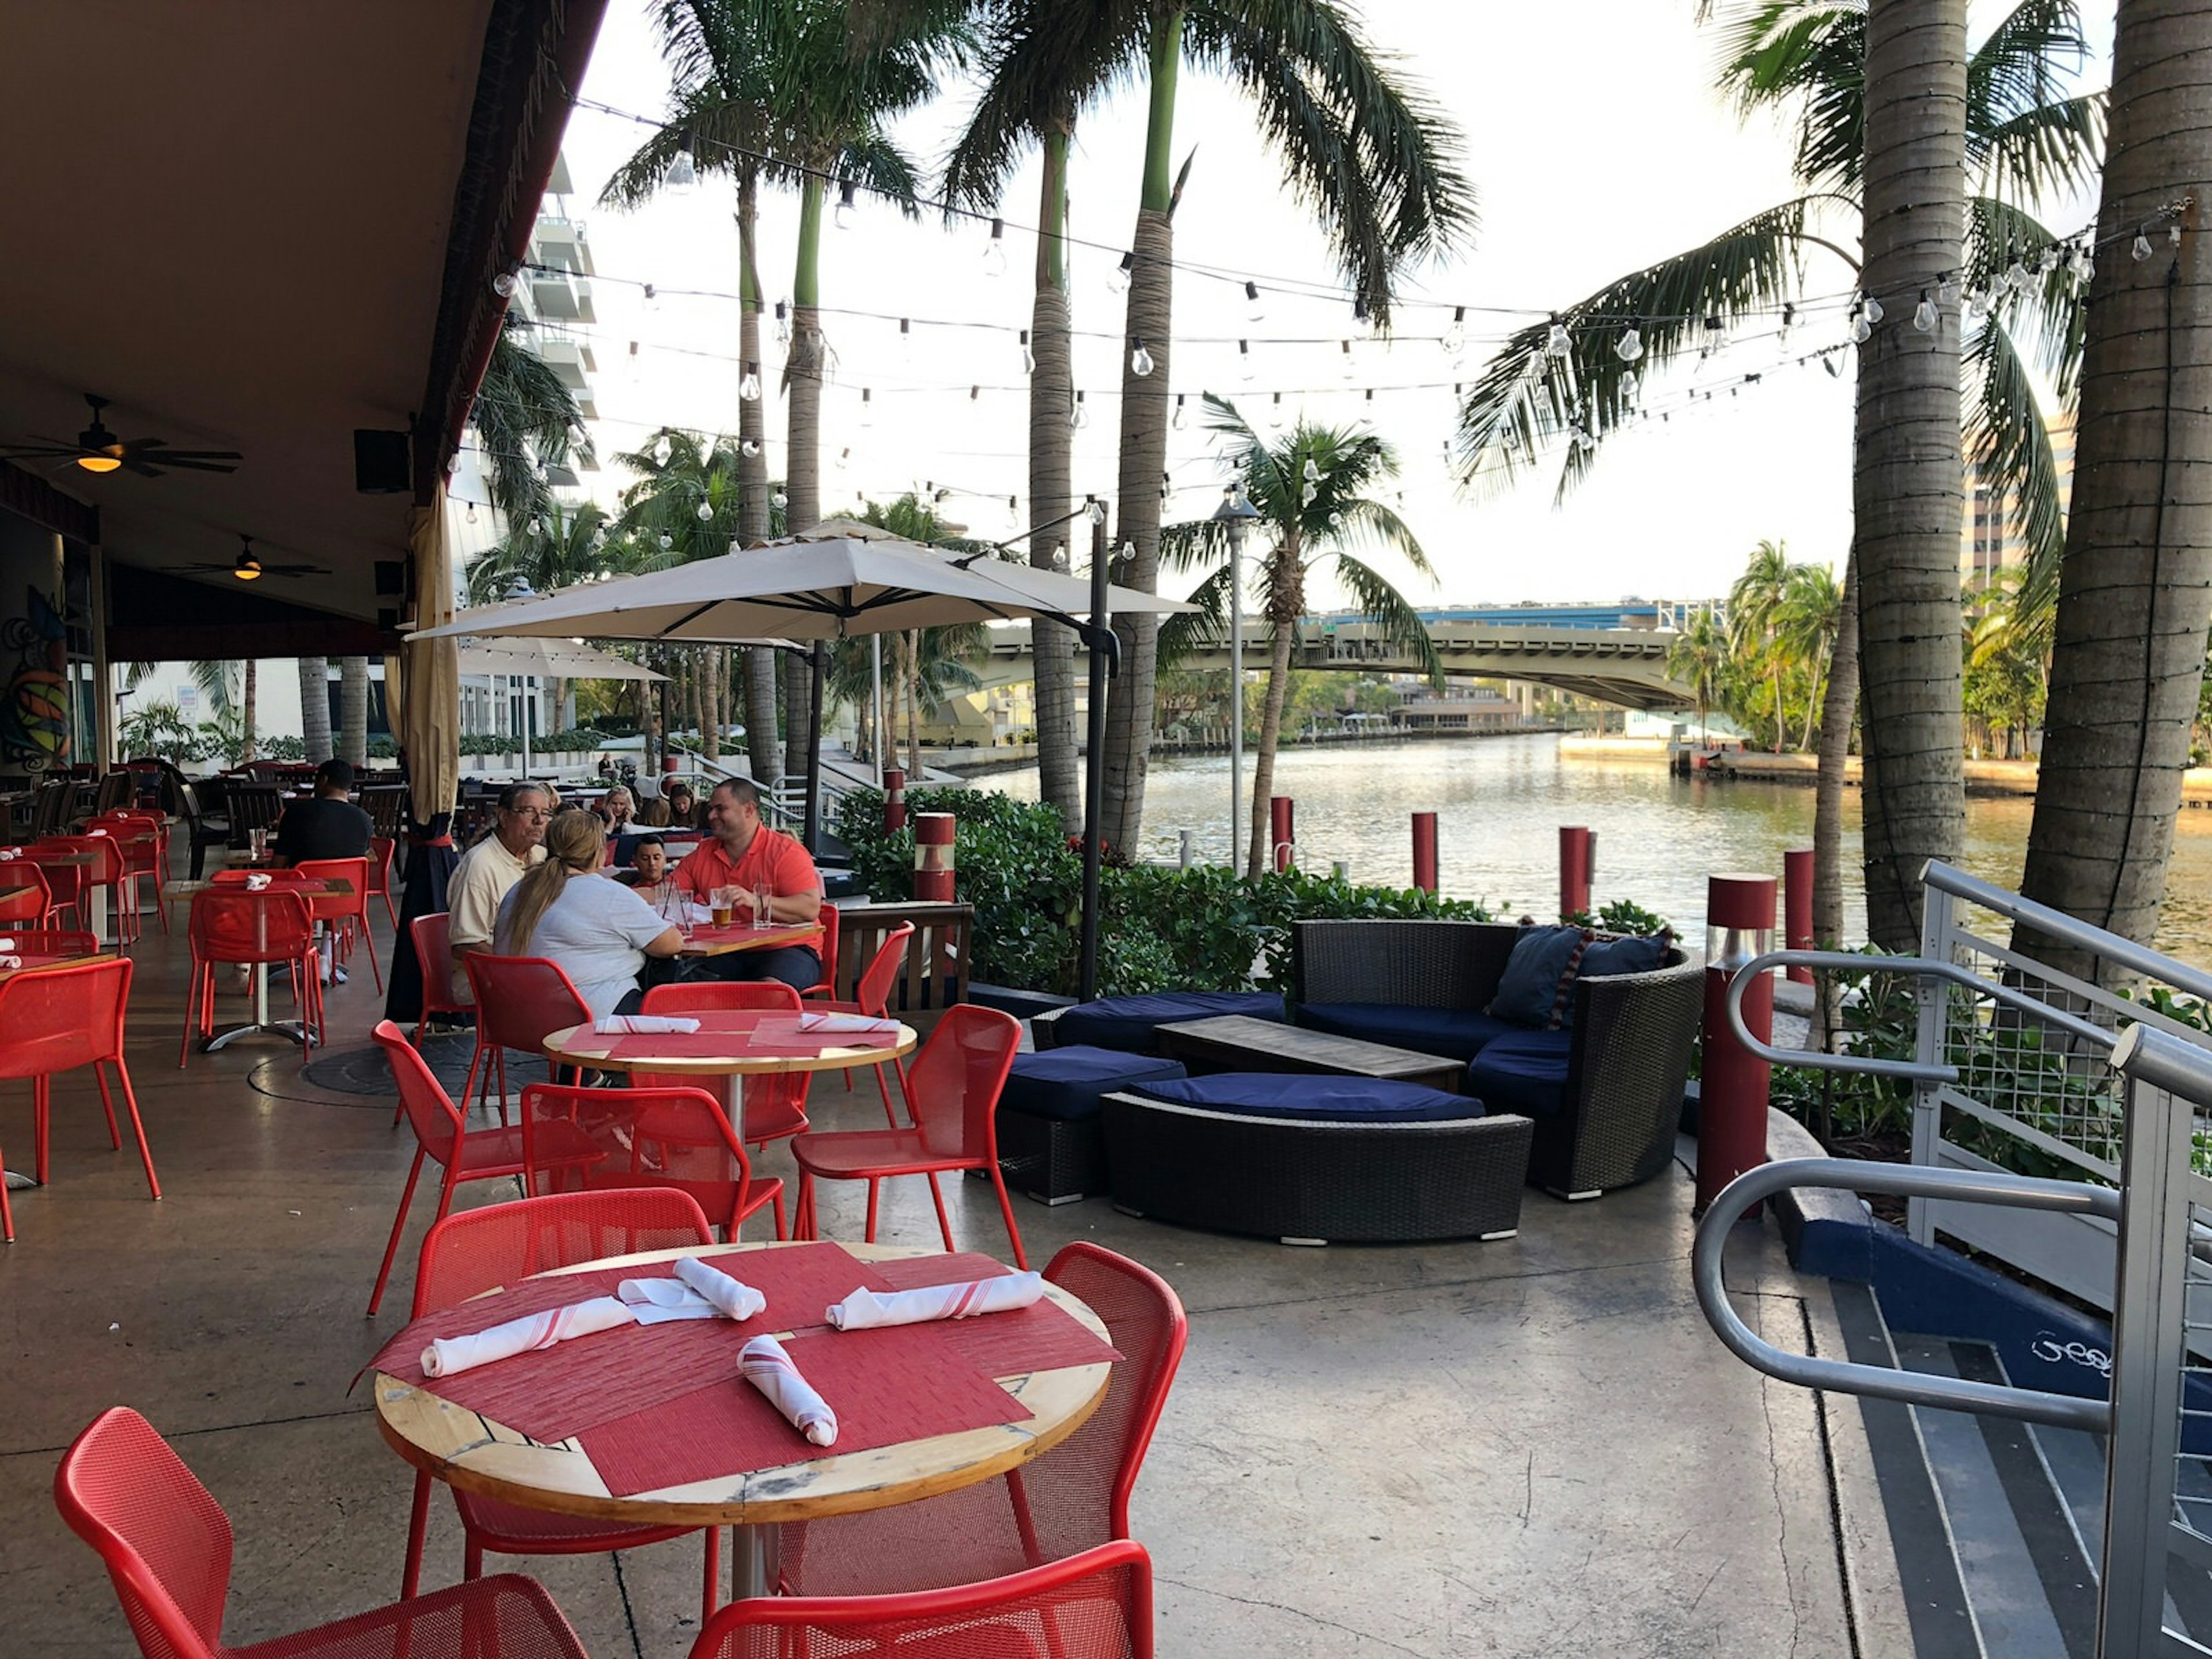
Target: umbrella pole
821,656
1094,766
529,696
876,707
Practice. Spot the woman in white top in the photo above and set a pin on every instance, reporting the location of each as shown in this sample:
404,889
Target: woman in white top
596,931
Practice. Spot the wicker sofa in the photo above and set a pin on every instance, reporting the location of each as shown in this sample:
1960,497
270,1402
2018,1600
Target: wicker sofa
1607,1096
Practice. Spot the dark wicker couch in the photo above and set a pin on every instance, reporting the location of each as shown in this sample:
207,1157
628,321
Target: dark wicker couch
1626,1061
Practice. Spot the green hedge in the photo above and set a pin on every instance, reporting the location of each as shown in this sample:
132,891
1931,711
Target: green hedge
1205,928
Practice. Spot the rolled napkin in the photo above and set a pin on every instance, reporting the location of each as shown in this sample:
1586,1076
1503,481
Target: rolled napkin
10,851
95,832
257,881
703,1293
763,1364
10,962
640,1024
863,1309
449,1355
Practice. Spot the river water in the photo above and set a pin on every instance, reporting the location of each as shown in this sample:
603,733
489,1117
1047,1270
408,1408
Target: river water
1499,802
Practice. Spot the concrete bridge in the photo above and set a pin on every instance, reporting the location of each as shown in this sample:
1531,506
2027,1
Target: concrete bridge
1626,666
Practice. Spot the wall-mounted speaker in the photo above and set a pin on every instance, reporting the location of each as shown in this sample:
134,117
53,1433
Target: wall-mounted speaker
391,578
380,461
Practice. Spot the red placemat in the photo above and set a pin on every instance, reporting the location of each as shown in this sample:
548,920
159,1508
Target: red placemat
911,1272
902,1383
677,1045
1039,1338
555,1392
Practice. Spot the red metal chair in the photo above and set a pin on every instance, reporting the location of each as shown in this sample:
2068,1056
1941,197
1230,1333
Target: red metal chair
56,1019
168,1547
380,848
952,1089
434,949
68,882
27,902
872,994
234,925
54,942
1070,1498
112,875
347,912
671,1136
481,1249
1097,1605
520,1001
145,838
827,984
464,1154
775,1101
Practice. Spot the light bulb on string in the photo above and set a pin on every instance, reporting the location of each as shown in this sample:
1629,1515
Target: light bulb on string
1079,415
1862,330
2080,265
906,336
1923,314
1275,412
506,283
1254,311
783,322
1059,555
2139,249
600,537
683,172
1630,346
1311,470
994,251
749,447
651,297
1244,360
1029,357
1094,509
1306,495
706,512
667,541
844,457
1978,301
1344,362
779,501
1455,339
1629,387
1558,343
737,544
536,526
748,388
1178,422
847,209
1835,373
1715,330
1874,312
1788,318
867,406
2046,258
1117,280
975,393
1946,291
2016,277
1141,360
471,513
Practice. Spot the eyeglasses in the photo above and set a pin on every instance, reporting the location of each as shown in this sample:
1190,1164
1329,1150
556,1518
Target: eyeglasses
528,811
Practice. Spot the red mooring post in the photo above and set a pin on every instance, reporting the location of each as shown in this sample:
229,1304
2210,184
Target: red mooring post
1576,846
1279,833
894,800
1732,1086
933,857
1424,851
1798,906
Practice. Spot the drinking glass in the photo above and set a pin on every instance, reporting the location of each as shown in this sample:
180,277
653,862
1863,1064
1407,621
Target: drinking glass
724,902
259,841
761,899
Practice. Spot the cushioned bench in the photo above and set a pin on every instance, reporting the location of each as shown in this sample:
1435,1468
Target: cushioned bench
1127,1022
1313,1160
1052,1142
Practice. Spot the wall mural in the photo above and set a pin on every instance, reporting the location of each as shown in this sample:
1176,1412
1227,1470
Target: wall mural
35,712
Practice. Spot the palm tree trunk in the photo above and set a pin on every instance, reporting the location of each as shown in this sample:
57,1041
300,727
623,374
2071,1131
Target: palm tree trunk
764,748
2129,655
1263,763
352,710
1144,450
911,646
1813,695
1052,392
710,693
1836,711
246,710
315,708
1781,721
1907,476
802,474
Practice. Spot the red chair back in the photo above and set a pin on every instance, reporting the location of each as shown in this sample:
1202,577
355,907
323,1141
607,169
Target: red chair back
676,1138
693,995
774,1103
871,992
53,941
479,1250
827,984
1097,1605
245,878
355,871
29,899
430,1110
379,863
953,1084
521,1000
434,949
232,924
165,1540
107,849
63,1016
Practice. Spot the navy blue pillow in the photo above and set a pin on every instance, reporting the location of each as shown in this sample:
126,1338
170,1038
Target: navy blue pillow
1637,954
1538,977
1303,1096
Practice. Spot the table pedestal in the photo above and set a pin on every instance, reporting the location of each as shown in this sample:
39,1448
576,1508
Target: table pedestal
753,1562
261,1025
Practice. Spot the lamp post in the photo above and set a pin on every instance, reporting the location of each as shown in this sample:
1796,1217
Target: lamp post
1232,515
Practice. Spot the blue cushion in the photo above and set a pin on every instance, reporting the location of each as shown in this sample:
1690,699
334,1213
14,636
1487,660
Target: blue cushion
1637,954
1537,977
1526,1073
1127,1023
1069,1083
1454,1033
1329,1099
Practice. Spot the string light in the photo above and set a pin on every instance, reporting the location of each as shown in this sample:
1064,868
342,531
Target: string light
1558,342
1345,365
1454,337
994,251
1923,314
2139,249
1177,422
1117,280
2016,277
848,209
748,388
536,526
1029,357
683,173
1254,309
867,406
1630,346
667,541
1244,359
1141,360
706,512
749,447
2079,264
1862,327
779,500
783,322
1079,415
506,283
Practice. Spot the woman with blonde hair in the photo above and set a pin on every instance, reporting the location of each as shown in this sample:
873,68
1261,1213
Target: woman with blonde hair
598,932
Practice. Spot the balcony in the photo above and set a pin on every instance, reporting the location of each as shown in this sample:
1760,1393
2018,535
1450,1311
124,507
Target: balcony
570,359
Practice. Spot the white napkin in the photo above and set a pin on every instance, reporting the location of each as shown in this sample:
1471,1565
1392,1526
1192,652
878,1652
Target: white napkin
841,1024
256,882
697,1292
10,851
10,962
451,1354
95,832
765,1365
864,1308
7,944
638,1024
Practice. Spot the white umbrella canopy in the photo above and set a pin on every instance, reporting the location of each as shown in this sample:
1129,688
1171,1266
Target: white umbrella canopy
854,581
549,658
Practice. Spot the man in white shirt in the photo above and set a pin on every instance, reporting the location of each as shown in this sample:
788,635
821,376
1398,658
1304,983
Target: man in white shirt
488,869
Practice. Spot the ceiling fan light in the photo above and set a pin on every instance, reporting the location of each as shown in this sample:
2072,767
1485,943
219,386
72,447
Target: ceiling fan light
101,462
248,569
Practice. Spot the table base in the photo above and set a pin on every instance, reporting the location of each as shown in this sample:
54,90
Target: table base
753,1564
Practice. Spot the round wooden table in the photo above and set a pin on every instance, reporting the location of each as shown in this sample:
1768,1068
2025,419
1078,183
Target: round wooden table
464,1449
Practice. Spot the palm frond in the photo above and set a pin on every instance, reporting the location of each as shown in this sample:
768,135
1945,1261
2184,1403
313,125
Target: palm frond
2021,64
1378,602
1808,56
1188,632
2009,444
1197,545
2048,315
2052,148
1369,523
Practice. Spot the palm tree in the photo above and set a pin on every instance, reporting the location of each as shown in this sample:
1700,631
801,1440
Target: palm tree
315,708
1699,656
352,710
229,688
1751,604
1849,74
1805,620
2127,660
1309,488
527,420
556,547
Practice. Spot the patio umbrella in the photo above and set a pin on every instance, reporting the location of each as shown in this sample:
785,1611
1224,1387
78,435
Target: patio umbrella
429,695
841,579
556,659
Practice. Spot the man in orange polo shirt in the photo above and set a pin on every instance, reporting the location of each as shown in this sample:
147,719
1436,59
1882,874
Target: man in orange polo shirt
746,855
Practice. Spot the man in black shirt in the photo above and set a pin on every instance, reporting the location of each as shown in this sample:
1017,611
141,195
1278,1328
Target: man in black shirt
327,827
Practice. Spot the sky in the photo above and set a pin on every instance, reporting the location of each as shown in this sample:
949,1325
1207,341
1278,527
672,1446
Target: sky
1595,145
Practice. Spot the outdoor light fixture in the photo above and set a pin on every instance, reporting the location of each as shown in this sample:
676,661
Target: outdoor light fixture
1078,415
248,569
1558,343
706,512
994,251
505,283
536,526
1094,509
783,322
1141,360
749,447
683,172
1177,422
1029,357
1630,346
1117,280
748,388
1253,308
667,541
1923,314
845,208
779,500
1455,338
1233,515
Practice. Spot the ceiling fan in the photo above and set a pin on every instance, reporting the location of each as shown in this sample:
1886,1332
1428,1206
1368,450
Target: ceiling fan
98,450
248,565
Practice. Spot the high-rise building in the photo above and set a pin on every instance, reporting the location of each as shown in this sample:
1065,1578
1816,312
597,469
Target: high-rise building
1990,538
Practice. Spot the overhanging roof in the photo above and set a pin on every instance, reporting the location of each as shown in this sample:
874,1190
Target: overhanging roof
259,228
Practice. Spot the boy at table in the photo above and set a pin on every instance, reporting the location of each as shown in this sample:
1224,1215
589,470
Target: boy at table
745,853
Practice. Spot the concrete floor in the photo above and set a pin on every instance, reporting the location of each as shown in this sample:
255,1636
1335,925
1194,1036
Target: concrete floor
1529,1447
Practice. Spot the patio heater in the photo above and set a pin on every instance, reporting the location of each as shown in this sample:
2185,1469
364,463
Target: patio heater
1232,515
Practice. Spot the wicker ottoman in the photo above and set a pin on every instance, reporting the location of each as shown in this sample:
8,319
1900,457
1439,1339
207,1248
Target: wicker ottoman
1051,1144
1312,1160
